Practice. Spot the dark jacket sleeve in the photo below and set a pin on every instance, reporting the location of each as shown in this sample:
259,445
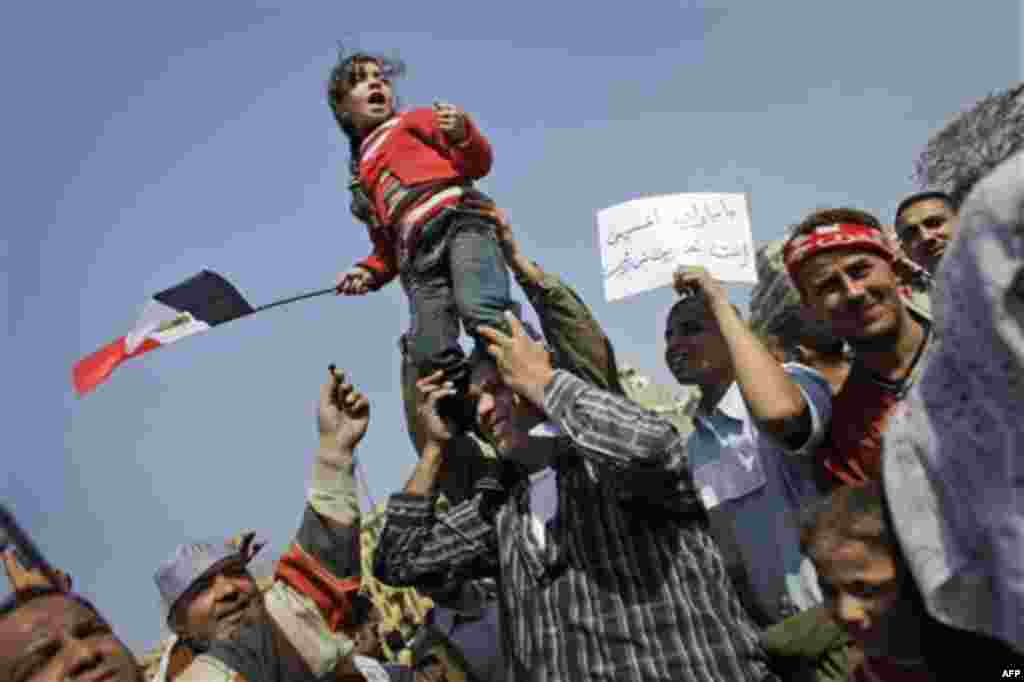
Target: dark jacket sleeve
577,340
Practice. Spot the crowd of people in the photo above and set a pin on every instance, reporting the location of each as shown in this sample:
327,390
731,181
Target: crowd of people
846,504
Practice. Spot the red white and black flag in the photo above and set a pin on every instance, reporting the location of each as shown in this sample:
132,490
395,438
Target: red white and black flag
195,305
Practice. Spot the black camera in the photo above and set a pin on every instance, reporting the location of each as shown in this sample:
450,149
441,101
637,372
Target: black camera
458,407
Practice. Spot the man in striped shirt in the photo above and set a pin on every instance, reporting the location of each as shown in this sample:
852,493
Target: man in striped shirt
597,535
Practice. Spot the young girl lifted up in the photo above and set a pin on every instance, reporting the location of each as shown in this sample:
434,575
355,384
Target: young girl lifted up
412,185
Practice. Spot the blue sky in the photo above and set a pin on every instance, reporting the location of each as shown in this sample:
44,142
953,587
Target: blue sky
144,142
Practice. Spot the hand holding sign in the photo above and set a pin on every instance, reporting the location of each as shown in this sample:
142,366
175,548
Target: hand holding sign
697,281
644,241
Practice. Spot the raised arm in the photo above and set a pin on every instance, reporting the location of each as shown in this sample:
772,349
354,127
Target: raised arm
610,430
325,555
774,399
321,568
578,341
419,548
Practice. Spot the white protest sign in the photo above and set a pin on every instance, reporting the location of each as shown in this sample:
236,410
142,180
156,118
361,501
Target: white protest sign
643,241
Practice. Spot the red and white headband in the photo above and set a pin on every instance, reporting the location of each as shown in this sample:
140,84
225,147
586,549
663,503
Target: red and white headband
838,235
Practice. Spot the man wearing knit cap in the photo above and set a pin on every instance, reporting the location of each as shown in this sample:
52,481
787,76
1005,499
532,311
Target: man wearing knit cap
207,592
843,266
304,626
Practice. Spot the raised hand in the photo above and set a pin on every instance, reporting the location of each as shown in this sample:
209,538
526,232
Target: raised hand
22,578
436,429
694,279
343,413
524,364
451,120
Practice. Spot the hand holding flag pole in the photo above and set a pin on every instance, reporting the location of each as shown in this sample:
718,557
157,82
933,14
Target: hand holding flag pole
195,305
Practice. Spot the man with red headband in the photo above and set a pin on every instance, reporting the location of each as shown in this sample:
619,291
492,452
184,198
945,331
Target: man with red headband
842,263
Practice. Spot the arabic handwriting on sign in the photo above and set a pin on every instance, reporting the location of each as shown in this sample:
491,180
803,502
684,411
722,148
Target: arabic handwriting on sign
630,263
691,244
746,256
702,214
626,235
685,222
725,250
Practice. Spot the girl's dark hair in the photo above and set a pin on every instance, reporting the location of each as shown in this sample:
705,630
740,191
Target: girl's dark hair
343,77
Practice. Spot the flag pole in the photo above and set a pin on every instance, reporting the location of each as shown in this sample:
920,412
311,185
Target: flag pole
284,301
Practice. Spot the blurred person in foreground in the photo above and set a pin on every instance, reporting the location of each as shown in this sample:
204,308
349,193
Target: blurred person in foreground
50,634
954,462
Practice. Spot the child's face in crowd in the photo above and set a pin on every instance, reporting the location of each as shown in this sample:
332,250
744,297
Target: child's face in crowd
55,638
861,586
369,101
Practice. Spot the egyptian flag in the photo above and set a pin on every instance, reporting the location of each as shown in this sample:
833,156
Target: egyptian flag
195,305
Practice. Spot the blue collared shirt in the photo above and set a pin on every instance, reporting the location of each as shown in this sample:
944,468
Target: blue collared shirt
754,489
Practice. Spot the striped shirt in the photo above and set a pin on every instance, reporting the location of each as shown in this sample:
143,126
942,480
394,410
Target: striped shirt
628,585
406,202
